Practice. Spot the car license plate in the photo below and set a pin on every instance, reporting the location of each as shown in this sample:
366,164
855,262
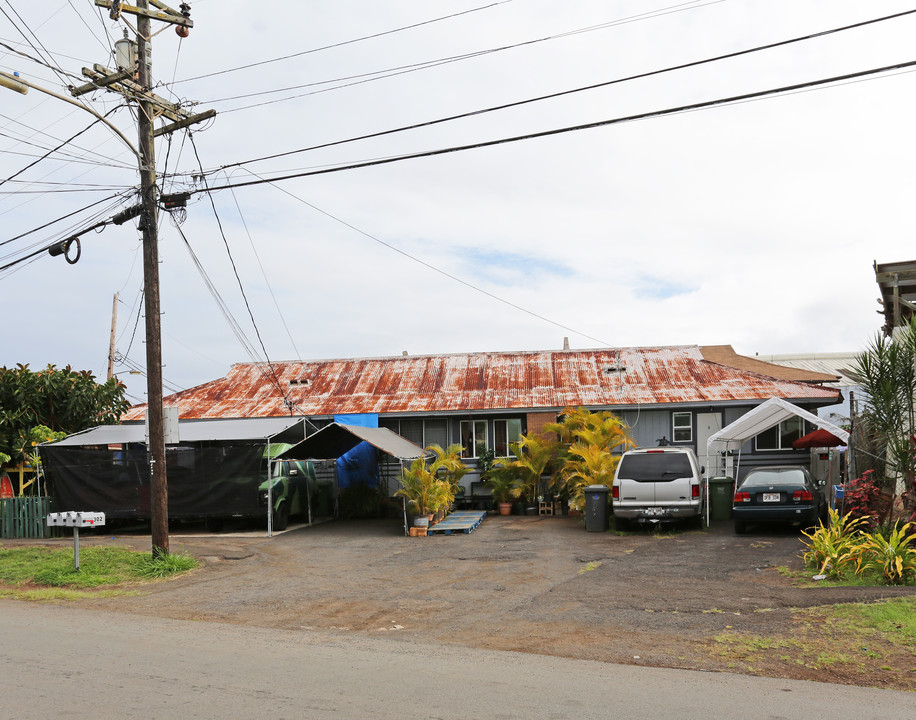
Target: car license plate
655,511
771,497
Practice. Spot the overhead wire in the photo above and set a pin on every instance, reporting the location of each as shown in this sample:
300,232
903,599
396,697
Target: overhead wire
427,64
56,68
435,269
690,107
343,43
57,220
267,282
53,150
594,86
272,373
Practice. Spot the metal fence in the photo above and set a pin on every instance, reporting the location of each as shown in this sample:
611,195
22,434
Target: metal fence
24,517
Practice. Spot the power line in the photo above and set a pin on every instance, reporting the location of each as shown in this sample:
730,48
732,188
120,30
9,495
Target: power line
439,270
427,64
272,374
52,222
53,150
345,42
573,128
608,83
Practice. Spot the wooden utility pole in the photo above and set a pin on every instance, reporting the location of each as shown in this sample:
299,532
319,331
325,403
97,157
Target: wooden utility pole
111,338
150,107
149,224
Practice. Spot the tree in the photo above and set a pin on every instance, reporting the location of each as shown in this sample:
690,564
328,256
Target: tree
588,439
886,427
64,401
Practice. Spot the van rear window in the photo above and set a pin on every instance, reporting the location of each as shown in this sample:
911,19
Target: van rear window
653,467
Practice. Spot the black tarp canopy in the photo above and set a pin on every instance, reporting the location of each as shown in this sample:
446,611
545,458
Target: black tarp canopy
214,470
337,439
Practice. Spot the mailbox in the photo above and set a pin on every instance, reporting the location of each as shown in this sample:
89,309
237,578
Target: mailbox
76,519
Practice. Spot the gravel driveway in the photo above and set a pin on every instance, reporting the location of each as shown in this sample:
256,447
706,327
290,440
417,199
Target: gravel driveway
531,584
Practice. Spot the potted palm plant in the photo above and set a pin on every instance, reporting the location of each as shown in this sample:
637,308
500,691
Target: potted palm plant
502,479
425,492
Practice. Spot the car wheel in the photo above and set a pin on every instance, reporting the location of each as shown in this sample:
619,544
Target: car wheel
740,528
281,517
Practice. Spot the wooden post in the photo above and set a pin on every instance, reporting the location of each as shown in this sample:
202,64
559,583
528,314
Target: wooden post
159,501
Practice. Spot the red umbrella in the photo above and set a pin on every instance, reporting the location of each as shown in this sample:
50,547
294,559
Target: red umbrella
817,439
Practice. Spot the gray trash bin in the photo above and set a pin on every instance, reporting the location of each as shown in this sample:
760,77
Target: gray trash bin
596,508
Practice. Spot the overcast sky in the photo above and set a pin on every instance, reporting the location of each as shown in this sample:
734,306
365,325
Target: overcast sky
753,224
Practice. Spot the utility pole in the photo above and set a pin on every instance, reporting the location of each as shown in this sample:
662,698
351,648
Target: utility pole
149,224
150,107
111,338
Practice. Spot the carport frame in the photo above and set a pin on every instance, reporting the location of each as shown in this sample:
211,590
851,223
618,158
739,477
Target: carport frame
337,439
766,415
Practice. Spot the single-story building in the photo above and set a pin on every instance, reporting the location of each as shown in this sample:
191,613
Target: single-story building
675,394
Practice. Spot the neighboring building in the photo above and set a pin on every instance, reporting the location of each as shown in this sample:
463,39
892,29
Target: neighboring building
678,395
897,283
836,364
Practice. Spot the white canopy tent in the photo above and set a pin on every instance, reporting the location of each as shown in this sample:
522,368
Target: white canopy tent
761,418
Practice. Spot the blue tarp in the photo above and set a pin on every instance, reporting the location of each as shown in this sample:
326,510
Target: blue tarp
359,465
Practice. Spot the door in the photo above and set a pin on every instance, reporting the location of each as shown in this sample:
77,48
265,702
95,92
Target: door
709,424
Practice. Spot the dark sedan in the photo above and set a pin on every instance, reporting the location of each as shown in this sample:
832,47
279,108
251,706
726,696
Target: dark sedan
786,495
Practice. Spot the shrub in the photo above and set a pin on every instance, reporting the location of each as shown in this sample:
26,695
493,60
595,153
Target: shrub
863,499
833,549
891,554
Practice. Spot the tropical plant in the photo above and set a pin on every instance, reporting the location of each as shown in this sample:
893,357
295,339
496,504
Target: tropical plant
447,462
887,374
892,554
62,400
426,493
599,428
863,499
503,479
586,458
587,464
534,458
833,549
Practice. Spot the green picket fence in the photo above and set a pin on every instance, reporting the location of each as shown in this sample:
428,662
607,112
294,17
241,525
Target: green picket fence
24,517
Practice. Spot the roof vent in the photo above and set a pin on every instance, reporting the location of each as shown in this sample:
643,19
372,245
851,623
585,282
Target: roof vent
300,381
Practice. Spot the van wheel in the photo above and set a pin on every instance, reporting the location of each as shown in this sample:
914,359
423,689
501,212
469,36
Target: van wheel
740,528
281,517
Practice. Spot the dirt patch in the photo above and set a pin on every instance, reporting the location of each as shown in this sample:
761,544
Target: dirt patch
704,600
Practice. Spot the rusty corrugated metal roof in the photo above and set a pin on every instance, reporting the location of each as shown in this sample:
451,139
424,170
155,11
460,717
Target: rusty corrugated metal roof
482,381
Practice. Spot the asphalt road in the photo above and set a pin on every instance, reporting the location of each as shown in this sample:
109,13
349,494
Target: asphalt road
61,662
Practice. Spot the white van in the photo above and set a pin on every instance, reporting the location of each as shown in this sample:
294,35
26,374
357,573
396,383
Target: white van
662,484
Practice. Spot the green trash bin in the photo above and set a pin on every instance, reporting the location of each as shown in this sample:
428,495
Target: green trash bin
721,497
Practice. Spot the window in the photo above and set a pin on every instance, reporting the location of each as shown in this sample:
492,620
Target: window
420,432
780,437
435,432
473,438
412,430
682,426
505,432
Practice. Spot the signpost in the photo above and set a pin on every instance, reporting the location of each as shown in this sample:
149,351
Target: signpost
76,520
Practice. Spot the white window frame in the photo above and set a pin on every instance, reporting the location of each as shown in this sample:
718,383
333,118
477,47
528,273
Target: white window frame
779,435
675,427
474,450
507,439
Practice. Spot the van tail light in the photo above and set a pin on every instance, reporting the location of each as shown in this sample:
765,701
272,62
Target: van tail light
615,492
801,495
694,491
742,496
